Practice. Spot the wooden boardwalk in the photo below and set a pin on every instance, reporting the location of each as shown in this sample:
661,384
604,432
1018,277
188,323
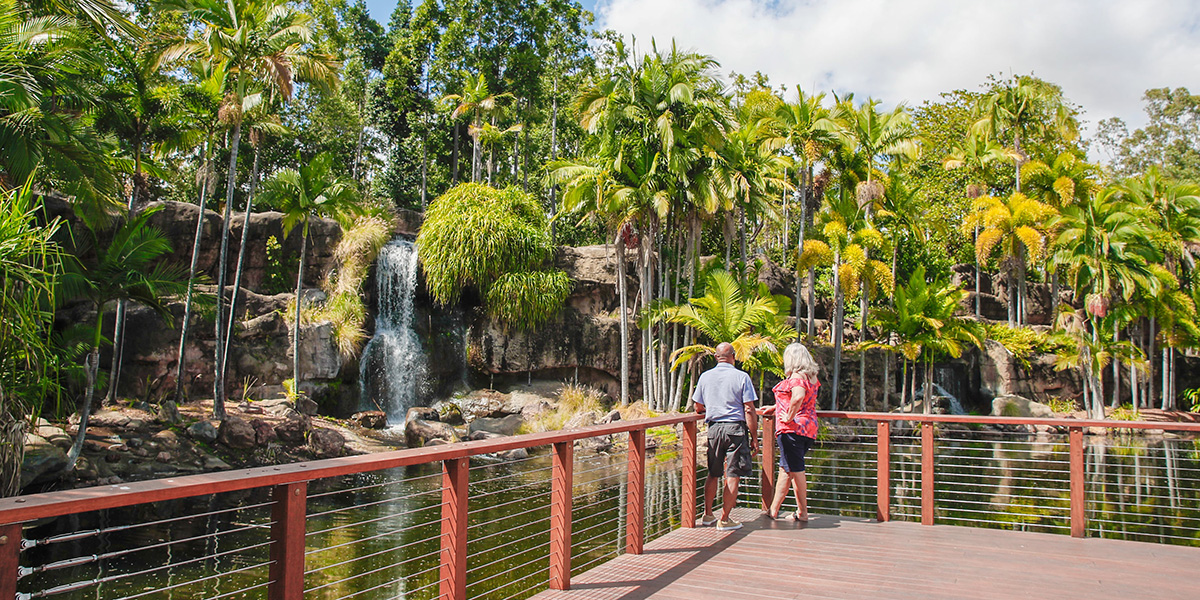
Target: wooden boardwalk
845,558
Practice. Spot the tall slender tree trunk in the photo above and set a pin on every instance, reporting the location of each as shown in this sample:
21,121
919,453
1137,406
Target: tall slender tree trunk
92,370
862,356
454,156
241,262
619,250
218,357
168,410
928,385
812,303
118,350
1116,371
904,383
838,299
800,245
554,157
1166,379
978,279
1150,363
299,302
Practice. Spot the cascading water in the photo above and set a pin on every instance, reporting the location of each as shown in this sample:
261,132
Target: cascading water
393,363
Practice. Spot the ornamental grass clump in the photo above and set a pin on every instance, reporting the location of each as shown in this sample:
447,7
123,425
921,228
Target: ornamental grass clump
496,241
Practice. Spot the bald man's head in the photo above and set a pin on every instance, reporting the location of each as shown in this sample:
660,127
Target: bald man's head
724,352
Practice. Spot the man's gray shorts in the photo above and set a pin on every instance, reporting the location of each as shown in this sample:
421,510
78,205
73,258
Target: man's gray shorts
730,440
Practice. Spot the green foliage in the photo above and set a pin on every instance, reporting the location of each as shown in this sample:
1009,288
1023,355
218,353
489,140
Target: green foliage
279,268
1168,139
1022,342
1125,412
496,241
1061,405
528,299
1192,397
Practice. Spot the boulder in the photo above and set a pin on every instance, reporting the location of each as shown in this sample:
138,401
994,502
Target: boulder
778,280
167,439
203,431
370,419
164,457
423,413
43,461
483,403
419,432
319,354
54,435
109,418
503,426
293,430
236,433
483,435
276,407
306,405
529,406
585,418
264,432
514,454
1016,406
449,412
613,416
326,442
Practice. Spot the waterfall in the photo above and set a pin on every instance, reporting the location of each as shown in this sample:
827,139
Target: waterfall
393,363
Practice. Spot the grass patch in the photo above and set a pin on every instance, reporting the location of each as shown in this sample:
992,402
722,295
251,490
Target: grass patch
572,400
1061,405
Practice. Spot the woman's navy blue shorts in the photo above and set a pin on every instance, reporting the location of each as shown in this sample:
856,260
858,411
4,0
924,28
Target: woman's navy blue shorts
792,448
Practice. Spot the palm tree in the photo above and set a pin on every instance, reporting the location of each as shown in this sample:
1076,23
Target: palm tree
313,190
43,62
1105,251
725,313
1019,107
807,128
484,107
265,44
976,154
924,320
1017,226
195,115
128,268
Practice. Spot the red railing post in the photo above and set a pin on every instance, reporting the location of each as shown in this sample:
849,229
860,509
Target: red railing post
1078,494
288,515
927,490
10,559
561,487
689,475
766,477
453,582
635,511
883,485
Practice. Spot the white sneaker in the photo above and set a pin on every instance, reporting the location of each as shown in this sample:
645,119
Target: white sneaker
729,525
708,519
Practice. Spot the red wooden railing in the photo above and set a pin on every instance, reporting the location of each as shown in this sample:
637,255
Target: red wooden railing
1075,430
289,485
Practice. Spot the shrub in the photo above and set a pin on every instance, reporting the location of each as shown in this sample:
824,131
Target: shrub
1061,405
496,241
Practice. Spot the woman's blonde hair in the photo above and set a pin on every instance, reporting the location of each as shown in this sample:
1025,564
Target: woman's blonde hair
796,359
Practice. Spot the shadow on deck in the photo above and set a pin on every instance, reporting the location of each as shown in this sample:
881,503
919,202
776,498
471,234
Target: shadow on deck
842,557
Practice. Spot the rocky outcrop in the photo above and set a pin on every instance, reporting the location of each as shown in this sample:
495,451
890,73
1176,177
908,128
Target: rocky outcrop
1016,406
419,432
177,220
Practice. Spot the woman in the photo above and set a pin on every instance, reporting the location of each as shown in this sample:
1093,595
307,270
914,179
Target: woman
795,426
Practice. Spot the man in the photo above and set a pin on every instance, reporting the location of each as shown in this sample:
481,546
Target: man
725,396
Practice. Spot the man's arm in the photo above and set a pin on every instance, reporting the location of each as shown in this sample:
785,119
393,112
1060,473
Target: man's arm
752,424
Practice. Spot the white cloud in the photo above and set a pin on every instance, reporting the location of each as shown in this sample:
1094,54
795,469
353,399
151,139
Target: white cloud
1103,53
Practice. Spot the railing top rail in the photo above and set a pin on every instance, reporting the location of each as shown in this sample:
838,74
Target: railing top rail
989,420
20,509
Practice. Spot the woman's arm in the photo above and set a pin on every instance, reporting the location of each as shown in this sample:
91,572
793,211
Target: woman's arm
794,405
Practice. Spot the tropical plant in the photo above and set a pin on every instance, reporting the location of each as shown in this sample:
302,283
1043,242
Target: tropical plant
264,45
1021,107
313,190
1016,226
926,326
29,263
477,100
725,313
129,267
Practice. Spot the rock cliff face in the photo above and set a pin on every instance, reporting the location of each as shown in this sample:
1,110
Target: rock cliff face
582,343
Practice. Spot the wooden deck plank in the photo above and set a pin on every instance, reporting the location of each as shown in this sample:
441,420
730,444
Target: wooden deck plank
848,558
